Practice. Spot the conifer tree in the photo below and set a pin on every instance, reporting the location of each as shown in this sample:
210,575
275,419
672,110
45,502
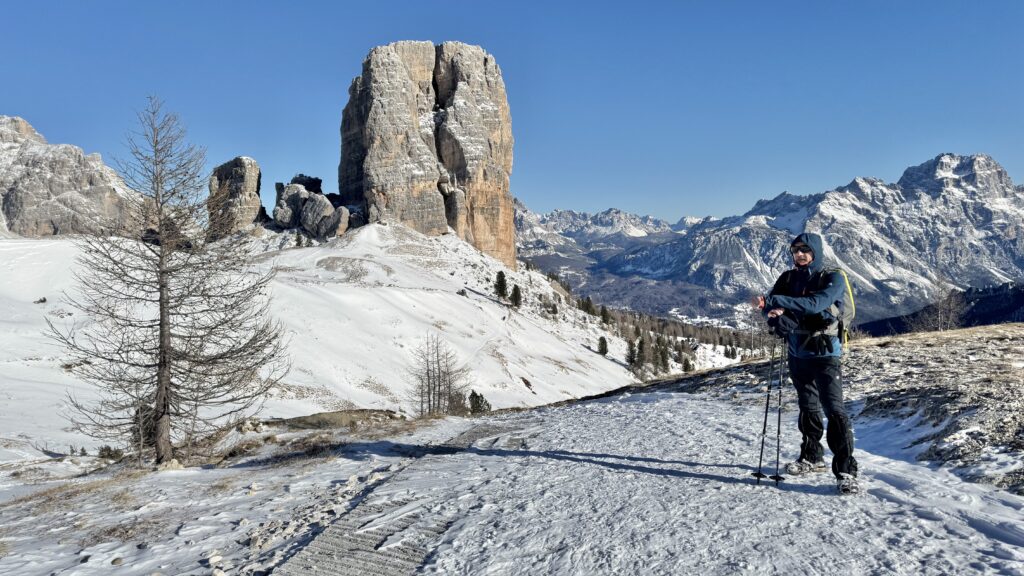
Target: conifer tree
517,296
501,285
605,316
630,353
478,404
602,346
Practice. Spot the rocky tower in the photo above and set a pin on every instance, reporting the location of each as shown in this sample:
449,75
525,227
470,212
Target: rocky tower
234,196
426,140
48,189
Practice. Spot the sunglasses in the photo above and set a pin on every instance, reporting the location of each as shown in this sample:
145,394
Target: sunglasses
801,249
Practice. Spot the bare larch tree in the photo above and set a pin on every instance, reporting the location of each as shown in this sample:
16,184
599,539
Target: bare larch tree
439,382
946,312
180,340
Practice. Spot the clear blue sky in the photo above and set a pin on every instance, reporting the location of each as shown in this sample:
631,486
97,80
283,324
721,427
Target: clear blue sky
660,108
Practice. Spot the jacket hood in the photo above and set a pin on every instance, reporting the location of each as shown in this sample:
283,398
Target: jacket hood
814,241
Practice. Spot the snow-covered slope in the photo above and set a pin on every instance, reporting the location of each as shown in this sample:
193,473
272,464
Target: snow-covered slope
354,310
649,481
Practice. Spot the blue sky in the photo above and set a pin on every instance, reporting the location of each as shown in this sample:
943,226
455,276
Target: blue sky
660,108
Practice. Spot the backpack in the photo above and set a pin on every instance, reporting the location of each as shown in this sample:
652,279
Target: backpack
846,309
840,314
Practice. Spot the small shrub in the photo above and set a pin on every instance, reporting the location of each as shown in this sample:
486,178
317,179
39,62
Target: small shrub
457,404
110,453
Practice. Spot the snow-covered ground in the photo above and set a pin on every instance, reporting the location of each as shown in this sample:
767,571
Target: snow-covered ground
354,310
656,482
642,483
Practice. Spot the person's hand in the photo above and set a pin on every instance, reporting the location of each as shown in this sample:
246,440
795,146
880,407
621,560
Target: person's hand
775,312
757,302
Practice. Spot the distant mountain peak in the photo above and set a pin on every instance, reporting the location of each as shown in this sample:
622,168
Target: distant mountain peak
948,172
15,129
955,215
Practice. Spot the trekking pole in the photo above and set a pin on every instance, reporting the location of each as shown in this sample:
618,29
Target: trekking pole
764,428
783,375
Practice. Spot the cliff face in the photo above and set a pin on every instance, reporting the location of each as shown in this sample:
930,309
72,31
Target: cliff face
427,142
48,189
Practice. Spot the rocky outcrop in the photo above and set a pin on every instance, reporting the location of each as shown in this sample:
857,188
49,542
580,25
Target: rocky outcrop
427,142
310,183
313,213
288,208
234,202
48,189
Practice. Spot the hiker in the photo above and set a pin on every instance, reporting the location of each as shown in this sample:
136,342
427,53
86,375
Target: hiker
804,307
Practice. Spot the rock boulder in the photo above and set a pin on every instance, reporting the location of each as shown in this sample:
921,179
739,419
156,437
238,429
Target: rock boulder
314,213
288,208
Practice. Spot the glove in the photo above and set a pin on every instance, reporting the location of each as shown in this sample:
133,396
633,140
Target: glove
782,325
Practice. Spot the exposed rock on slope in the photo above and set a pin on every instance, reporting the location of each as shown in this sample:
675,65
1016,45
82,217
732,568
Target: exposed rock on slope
234,202
48,189
314,213
427,141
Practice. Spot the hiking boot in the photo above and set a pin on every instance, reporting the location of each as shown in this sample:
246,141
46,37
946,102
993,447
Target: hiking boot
802,466
848,484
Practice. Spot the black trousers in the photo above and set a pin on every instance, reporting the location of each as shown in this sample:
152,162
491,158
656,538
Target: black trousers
819,389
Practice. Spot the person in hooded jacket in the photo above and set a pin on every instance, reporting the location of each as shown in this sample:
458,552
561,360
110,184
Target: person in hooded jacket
798,307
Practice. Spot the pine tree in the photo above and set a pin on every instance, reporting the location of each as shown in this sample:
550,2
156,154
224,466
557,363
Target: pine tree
517,296
630,353
478,404
501,285
687,365
605,316
602,346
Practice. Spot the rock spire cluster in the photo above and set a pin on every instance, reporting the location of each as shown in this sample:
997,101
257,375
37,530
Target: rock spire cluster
426,142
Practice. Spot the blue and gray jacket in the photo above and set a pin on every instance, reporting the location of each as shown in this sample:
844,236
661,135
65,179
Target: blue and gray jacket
807,304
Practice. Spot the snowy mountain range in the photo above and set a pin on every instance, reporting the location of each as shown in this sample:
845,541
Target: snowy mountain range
953,219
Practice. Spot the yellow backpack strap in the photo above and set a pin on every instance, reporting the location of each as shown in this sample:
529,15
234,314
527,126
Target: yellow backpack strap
853,305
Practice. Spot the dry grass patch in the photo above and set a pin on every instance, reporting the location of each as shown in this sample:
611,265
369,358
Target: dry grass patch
129,531
63,495
123,499
221,486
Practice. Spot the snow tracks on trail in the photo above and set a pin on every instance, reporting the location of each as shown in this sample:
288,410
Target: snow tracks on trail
659,484
389,532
